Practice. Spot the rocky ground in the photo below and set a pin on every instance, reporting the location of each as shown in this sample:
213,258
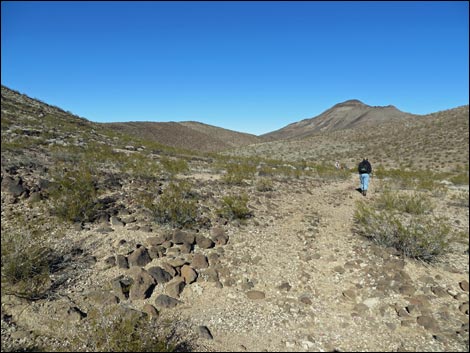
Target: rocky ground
294,277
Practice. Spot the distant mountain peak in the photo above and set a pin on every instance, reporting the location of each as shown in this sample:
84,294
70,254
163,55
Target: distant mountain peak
346,115
351,103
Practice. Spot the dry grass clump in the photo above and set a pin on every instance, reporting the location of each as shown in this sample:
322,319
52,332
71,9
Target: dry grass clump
461,199
25,264
116,329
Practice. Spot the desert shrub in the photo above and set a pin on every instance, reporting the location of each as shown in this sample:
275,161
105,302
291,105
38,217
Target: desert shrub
176,204
460,179
461,199
418,237
279,168
267,170
264,184
415,203
139,165
237,173
74,193
414,179
235,207
174,166
328,172
114,329
25,264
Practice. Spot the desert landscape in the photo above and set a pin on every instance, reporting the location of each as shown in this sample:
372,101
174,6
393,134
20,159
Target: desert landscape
146,236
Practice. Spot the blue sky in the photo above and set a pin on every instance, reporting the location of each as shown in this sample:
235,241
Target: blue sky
243,65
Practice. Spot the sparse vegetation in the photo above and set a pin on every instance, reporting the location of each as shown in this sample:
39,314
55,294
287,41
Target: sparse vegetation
461,199
175,205
235,207
264,184
238,173
74,196
25,264
115,329
414,203
174,166
327,171
419,237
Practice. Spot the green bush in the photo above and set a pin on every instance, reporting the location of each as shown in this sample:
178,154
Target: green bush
461,199
264,184
415,203
74,194
174,166
460,179
237,173
418,237
329,172
235,207
139,165
114,329
175,206
420,179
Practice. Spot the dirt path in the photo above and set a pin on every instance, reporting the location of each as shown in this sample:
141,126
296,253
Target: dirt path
304,234
302,281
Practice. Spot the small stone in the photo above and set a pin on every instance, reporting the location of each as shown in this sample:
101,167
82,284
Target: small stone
255,294
204,332
464,308
427,322
339,269
349,294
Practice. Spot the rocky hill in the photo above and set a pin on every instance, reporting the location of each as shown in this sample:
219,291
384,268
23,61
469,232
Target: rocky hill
437,142
186,135
346,115
111,241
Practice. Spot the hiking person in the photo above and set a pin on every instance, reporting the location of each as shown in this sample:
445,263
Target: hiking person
364,169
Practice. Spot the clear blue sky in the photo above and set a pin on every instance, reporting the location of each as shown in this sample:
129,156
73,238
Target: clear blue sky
247,66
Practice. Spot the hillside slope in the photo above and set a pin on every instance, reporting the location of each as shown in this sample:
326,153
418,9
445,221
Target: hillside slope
437,142
187,135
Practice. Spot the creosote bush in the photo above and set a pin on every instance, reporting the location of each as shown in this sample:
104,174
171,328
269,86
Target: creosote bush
114,329
329,172
175,205
415,203
419,237
264,184
235,207
74,194
139,165
174,166
237,173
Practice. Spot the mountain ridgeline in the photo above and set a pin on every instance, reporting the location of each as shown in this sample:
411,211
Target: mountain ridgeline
346,115
343,125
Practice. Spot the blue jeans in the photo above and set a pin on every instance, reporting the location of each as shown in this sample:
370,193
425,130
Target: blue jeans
364,181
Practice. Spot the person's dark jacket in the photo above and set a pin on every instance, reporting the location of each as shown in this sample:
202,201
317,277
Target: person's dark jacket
364,164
